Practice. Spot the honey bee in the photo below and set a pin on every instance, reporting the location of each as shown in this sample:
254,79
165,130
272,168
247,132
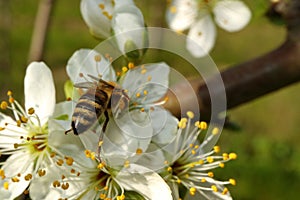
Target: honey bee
101,96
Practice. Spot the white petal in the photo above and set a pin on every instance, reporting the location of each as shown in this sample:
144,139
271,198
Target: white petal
153,78
232,15
145,182
39,90
98,23
201,37
182,14
164,125
153,158
17,163
128,26
125,135
83,61
6,136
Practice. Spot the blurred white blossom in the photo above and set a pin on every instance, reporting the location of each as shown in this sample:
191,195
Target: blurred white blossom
122,19
198,15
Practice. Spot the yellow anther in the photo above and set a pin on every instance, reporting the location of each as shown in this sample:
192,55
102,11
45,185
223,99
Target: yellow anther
130,65
232,156
42,172
225,156
63,177
203,180
9,93
149,78
169,169
5,185
56,183
73,171
190,114
201,162
19,123
210,174
69,160
26,192
97,58
31,111
210,159
217,149
222,165
16,145
142,109
100,143
193,152
143,71
214,188
192,191
24,119
138,94
102,6
28,177
11,100
53,154
126,163
173,9
106,14
102,196
2,174
182,123
2,128
87,153
232,181
15,179
178,181
124,69
166,162
93,156
225,191
121,197
101,165
203,125
196,146
118,73
215,131
65,186
139,151
3,105
60,162
145,92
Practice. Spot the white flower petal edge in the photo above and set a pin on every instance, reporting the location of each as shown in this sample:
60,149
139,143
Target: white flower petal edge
96,18
201,37
89,62
232,15
39,90
182,14
129,28
17,163
145,181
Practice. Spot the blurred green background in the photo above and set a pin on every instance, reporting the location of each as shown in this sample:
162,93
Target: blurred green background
268,164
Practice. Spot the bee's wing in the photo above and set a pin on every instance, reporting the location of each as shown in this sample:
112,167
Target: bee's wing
85,85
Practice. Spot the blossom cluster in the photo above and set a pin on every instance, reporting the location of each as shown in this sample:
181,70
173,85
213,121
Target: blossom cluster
133,150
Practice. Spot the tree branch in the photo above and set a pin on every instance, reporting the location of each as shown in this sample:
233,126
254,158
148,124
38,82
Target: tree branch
252,79
41,25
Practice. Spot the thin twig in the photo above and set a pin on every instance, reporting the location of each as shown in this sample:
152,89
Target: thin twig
41,26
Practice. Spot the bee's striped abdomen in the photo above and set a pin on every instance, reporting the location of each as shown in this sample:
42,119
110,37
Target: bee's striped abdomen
89,108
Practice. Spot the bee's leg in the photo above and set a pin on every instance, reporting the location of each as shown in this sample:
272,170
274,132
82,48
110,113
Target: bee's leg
102,133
